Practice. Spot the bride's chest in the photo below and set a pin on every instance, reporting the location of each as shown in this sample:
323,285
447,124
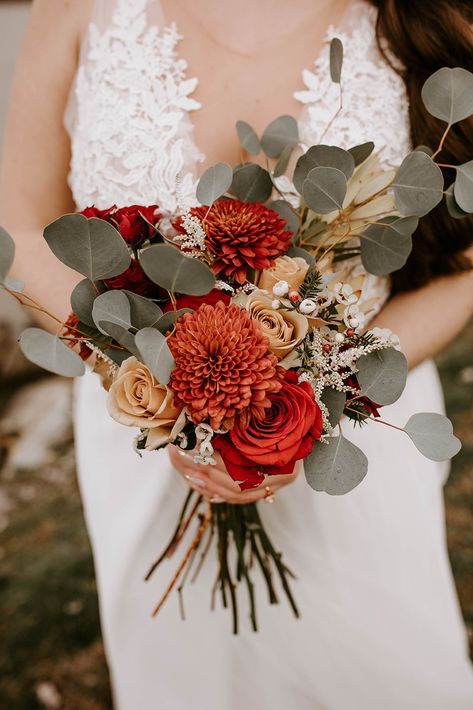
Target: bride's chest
139,121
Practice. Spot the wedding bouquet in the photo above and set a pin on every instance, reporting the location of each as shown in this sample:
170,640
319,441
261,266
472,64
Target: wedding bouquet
238,327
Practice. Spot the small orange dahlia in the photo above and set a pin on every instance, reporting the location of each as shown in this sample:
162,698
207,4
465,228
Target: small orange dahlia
242,235
223,365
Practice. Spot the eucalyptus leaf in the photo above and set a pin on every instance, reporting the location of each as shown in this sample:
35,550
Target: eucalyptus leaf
385,246
361,152
171,269
118,356
111,307
335,403
167,320
335,466
322,156
248,138
283,161
286,212
281,132
324,189
303,253
214,183
92,247
448,94
453,207
155,353
82,301
336,60
123,337
251,183
7,253
418,185
49,352
432,434
382,375
463,189
425,149
144,312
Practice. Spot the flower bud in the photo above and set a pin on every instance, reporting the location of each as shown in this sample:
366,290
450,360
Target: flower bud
339,338
294,296
275,304
307,306
280,288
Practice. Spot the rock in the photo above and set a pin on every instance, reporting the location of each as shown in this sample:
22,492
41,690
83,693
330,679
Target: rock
36,420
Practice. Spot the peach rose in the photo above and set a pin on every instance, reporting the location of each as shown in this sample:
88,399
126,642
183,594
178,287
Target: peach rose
286,268
136,398
284,329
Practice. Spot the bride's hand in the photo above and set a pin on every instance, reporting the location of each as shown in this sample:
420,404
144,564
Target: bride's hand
215,483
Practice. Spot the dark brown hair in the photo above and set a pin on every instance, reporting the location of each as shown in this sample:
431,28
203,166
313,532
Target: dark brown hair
425,35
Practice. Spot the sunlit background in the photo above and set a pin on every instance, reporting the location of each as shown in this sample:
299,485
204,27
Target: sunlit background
51,654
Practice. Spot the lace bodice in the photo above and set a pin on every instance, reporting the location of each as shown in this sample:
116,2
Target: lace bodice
130,108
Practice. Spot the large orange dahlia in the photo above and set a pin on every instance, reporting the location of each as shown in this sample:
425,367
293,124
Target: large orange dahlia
223,365
242,235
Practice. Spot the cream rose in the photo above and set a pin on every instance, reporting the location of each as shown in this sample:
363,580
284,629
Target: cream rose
136,398
286,268
284,329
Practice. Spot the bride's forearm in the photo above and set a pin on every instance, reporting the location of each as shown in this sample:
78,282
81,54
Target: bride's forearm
427,319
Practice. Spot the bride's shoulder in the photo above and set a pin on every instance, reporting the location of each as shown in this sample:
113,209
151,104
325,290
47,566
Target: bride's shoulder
67,18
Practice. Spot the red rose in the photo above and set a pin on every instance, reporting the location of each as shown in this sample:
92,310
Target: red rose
135,222
271,445
211,298
93,211
134,279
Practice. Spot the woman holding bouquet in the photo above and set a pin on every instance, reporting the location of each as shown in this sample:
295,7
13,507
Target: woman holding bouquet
380,624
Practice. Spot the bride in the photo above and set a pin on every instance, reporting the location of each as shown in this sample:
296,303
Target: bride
380,624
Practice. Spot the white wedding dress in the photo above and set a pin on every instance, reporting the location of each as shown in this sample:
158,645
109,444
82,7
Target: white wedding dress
380,624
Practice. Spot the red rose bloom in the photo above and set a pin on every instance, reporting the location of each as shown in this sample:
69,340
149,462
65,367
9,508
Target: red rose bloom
135,223
134,279
271,445
194,302
242,235
70,328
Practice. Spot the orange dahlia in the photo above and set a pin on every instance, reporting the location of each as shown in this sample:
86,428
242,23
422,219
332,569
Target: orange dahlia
241,235
223,365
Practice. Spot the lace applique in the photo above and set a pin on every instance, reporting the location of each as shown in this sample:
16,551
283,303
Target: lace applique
131,133
375,104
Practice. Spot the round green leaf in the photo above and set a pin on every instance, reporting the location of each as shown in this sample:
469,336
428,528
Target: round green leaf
144,312
335,403
248,138
49,352
418,185
453,207
124,338
324,189
361,152
335,466
336,60
322,156
155,353
448,94
214,183
168,267
286,212
7,253
463,189
283,161
167,320
432,434
382,375
281,132
251,183
111,307
82,301
386,245
92,247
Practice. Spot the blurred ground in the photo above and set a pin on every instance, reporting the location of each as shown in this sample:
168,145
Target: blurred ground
51,654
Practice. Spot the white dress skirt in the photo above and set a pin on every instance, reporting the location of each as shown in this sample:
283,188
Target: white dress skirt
380,624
